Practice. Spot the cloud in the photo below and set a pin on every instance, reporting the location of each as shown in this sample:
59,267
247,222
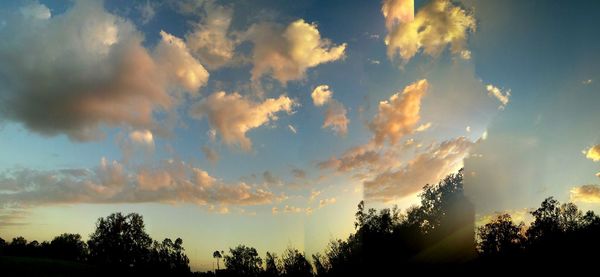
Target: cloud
292,209
210,40
374,61
298,173
178,64
270,179
35,11
143,137
211,155
399,115
313,195
425,168
593,153
287,52
365,160
147,11
85,68
135,143
335,114
503,97
321,95
465,54
398,12
335,118
12,217
170,182
232,115
586,194
287,209
292,129
518,216
436,25
587,82
423,127
326,202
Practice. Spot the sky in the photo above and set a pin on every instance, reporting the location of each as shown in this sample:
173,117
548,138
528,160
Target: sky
265,123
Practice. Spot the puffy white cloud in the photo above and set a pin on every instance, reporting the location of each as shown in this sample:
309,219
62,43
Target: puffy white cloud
171,182
586,194
74,72
436,25
593,153
210,40
232,115
503,97
287,52
399,115
321,95
425,168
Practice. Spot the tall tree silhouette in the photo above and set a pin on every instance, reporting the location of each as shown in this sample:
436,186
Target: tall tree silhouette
217,255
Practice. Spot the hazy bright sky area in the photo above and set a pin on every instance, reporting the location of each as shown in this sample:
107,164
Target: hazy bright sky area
266,122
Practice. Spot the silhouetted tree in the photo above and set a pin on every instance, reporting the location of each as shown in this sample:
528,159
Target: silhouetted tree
500,236
17,247
295,264
322,266
68,247
272,265
2,246
217,255
553,219
168,257
243,261
120,240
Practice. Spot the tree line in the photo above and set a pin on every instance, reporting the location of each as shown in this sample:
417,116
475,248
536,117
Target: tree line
439,235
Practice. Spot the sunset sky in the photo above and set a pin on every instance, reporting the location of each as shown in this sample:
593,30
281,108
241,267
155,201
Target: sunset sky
266,122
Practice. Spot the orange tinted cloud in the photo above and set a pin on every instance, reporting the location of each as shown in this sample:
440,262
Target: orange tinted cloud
586,194
399,115
232,115
593,153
